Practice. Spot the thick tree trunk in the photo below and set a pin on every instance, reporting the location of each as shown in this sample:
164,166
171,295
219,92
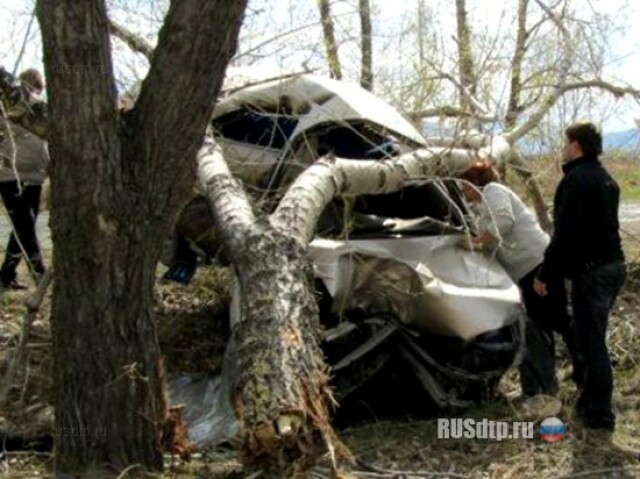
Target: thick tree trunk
109,397
330,44
117,183
282,391
366,73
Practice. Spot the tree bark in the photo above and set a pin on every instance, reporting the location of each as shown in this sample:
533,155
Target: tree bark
514,108
366,73
330,44
465,58
117,184
282,393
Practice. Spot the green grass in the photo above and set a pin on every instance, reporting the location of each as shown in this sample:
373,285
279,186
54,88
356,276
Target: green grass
547,171
627,175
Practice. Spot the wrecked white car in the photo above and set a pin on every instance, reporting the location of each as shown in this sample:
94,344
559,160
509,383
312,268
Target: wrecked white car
400,301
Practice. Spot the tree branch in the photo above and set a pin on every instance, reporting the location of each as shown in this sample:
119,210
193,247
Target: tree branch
232,212
616,90
453,112
178,95
133,41
547,103
311,192
470,98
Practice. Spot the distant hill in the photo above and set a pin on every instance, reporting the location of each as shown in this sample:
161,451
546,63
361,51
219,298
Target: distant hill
626,140
622,140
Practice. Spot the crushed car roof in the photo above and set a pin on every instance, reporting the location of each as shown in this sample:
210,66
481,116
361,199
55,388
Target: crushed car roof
319,100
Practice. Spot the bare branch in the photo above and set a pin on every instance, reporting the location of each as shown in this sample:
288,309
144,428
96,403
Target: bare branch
311,192
453,112
32,304
232,90
233,214
465,55
616,90
468,96
133,41
563,72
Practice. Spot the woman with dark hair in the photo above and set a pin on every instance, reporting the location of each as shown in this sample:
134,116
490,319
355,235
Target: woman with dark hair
510,231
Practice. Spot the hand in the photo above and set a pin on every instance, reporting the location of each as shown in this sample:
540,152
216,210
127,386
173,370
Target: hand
539,287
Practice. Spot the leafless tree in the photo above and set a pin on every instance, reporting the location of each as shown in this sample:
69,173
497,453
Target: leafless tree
118,180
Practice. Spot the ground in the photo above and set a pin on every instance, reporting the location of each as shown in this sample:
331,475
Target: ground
192,339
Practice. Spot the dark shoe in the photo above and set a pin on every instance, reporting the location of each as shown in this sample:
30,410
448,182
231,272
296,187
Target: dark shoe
598,436
14,285
599,423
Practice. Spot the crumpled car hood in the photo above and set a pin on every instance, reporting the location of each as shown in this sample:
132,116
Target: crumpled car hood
429,283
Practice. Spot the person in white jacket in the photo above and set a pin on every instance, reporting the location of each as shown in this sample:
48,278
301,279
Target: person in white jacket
23,169
509,230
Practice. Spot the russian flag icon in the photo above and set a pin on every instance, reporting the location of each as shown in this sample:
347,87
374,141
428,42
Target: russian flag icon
552,429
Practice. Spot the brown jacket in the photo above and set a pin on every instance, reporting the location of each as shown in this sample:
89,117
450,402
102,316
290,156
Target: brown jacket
32,156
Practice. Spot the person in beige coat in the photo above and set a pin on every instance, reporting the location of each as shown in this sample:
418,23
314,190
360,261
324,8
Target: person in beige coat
23,169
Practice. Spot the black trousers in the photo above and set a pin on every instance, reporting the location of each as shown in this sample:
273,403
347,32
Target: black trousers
546,315
23,210
593,296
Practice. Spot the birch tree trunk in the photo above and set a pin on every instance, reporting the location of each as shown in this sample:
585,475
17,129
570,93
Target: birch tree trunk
465,59
366,72
117,184
514,108
282,393
330,44
281,398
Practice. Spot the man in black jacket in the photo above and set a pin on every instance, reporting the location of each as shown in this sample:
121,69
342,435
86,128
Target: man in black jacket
586,249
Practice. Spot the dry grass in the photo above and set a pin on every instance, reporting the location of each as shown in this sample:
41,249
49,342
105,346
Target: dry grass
192,330
403,444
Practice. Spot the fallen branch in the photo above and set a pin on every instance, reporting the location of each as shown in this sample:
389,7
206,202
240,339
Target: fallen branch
453,112
32,304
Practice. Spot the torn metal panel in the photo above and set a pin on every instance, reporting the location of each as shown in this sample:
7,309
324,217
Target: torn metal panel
428,282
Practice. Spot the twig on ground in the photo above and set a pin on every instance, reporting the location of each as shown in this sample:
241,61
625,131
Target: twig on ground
598,472
32,304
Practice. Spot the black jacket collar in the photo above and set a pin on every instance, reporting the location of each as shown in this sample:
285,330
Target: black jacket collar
567,167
